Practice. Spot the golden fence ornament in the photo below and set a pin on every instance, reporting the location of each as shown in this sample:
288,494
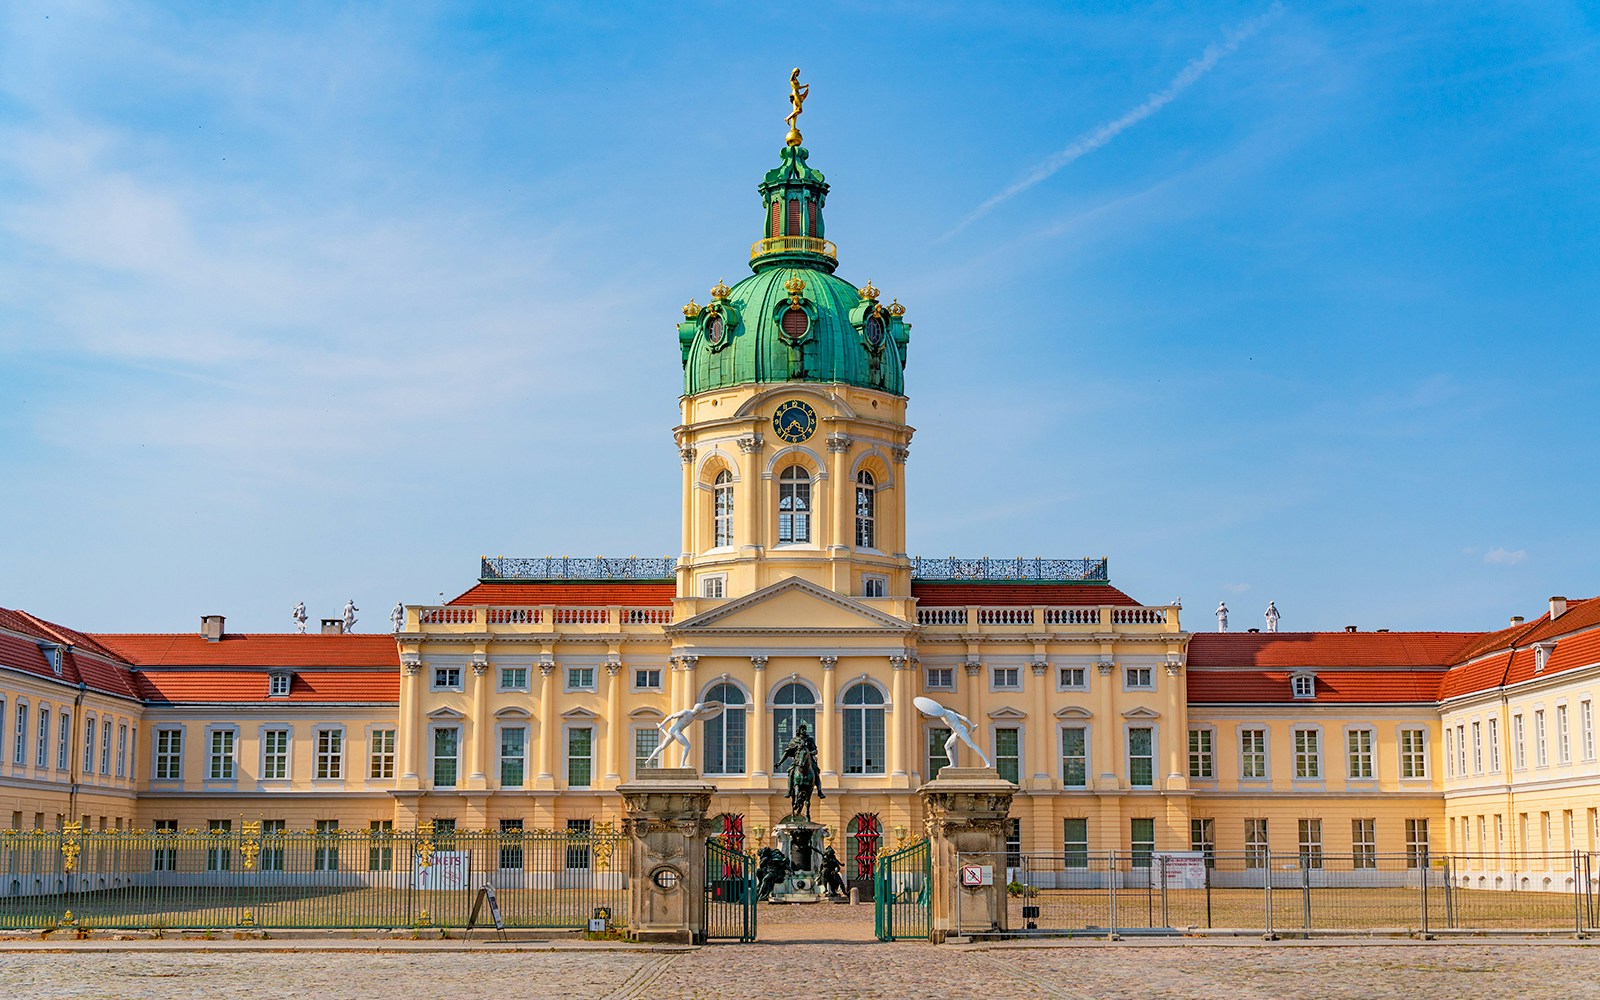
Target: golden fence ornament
250,846
425,849
602,845
71,845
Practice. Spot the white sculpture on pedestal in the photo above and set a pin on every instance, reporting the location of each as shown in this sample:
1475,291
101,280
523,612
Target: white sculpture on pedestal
1272,616
350,610
298,613
961,728
1222,616
397,617
673,726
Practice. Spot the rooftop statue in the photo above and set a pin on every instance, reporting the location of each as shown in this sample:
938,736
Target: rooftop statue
961,729
298,613
1272,616
798,92
672,730
804,775
350,610
397,617
1222,616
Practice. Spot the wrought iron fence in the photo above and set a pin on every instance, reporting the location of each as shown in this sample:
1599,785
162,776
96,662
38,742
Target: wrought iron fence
943,568
576,568
957,568
901,893
1116,892
297,879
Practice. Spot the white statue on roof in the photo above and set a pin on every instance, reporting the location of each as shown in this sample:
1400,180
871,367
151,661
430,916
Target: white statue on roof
1222,616
298,613
672,729
350,610
397,617
1272,616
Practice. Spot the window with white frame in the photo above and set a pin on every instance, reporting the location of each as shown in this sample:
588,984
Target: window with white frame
1252,753
1138,678
122,750
1364,843
1310,843
133,750
219,758
793,706
863,729
1413,754
219,857
794,505
1519,743
1563,737
1006,678
278,685
874,586
274,754
1074,757
722,510
938,758
325,856
1203,839
580,757
1075,842
380,753
19,751
866,510
1461,750
580,678
446,756
940,679
714,586
63,739
513,678
41,750
1358,754
645,741
1586,728
1494,744
723,735
1142,840
1008,752
1141,757
1255,842
1304,685
1072,678
169,755
1541,749
330,754
1477,747
447,678
1307,753
1416,843
105,747
513,755
647,679
1201,759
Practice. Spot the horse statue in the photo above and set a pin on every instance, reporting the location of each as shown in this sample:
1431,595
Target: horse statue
805,777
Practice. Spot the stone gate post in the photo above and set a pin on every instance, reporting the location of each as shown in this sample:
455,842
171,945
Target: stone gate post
965,810
664,815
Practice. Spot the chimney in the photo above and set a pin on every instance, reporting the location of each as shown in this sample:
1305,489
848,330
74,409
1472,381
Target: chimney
211,627
1517,620
1349,628
1383,630
1252,630
1558,607
333,626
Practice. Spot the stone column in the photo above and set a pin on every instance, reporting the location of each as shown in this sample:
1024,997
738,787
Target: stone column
965,810
827,724
408,737
664,816
897,735
1041,729
548,734
758,748
616,725
482,724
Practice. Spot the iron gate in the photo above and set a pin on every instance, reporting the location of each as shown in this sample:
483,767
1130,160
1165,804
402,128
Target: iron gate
900,895
730,893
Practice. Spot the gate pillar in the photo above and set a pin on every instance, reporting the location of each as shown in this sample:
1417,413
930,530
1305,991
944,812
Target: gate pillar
965,810
664,816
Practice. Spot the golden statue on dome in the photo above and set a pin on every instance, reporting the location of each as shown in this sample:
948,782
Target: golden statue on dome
798,92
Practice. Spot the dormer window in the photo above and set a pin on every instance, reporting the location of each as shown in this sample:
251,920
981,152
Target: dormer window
1303,685
54,655
278,685
1541,656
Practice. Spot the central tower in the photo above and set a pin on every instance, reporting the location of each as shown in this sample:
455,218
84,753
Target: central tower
793,433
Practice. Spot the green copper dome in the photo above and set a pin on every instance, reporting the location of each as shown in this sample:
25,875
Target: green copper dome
793,320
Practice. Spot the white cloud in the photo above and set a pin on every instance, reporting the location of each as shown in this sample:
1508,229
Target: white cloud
1498,556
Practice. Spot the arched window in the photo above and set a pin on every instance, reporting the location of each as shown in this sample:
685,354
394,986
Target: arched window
724,734
795,218
794,505
863,730
794,705
866,510
730,828
865,833
722,508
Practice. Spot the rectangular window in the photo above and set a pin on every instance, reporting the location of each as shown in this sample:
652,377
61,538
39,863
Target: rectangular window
1142,839
122,750
1585,728
1358,746
1461,750
874,586
1141,757
1307,753
1138,678
937,759
19,750
580,757
1477,747
220,766
1541,749
1255,843
380,754
713,586
1013,843
941,679
1311,843
1072,678
1075,757
278,686
325,856
164,859
1364,843
446,756
1203,838
1413,754
1007,750
1075,842
133,750
274,754
1494,745
63,739
41,751
1563,737
380,845
1201,763
1519,743
330,754
647,679
271,845
513,678
510,844
580,678
444,833
513,757
219,853
105,748
1416,843
579,836
447,678
645,742
169,754
1252,753
1006,678
88,746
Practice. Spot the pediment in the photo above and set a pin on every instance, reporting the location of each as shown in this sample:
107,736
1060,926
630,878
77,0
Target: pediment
792,605
445,713
1007,712
1141,713
512,712
1074,712
579,713
645,712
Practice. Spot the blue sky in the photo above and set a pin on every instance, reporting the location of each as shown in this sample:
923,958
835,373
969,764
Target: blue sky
313,302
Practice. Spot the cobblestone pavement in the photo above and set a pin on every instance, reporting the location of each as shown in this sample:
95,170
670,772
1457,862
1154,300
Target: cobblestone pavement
813,953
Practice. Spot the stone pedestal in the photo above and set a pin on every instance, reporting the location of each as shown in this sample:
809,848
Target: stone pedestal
966,809
801,841
664,815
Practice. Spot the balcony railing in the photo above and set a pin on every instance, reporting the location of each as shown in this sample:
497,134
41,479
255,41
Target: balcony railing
1020,569
482,617
1039,617
576,568
790,244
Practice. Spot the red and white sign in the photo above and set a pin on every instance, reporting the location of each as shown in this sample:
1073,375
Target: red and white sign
971,876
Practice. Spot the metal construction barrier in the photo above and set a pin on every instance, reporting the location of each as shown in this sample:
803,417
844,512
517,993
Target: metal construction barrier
330,879
902,882
1112,893
730,893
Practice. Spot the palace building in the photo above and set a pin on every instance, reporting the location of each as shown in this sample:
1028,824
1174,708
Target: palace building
527,700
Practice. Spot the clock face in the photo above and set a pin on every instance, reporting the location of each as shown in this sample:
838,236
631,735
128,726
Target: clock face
715,328
874,330
795,421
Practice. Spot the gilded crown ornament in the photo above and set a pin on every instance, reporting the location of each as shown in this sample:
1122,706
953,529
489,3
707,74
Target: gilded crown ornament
896,309
691,310
794,286
720,291
868,292
798,92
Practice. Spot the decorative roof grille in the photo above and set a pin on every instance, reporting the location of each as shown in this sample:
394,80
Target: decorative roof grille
1036,570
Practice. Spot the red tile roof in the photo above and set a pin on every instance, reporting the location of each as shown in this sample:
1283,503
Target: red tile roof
1219,686
593,594
22,621
962,593
88,663
171,686
1327,649
255,650
1507,656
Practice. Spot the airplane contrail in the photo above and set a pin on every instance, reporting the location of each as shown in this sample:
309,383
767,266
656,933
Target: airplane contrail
1102,134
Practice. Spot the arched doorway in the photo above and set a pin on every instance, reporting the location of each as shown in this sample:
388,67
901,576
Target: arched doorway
863,837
